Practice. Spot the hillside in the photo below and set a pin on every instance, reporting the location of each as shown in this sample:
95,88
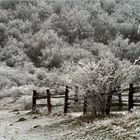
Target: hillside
48,44
92,44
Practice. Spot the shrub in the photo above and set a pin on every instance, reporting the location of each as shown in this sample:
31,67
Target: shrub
54,62
100,79
25,102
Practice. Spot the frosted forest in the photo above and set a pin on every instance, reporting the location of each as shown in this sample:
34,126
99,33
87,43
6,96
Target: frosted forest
92,44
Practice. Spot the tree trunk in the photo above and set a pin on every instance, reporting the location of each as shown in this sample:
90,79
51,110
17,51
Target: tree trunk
108,106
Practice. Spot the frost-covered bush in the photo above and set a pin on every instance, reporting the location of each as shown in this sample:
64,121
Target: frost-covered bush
25,102
13,54
51,79
3,16
119,47
25,10
16,77
41,46
135,74
75,54
123,50
134,51
19,24
100,79
108,5
44,10
54,62
20,97
72,24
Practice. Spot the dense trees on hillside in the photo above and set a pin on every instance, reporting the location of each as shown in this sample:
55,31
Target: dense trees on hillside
47,43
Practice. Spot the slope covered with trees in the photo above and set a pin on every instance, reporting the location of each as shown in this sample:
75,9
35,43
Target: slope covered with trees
92,43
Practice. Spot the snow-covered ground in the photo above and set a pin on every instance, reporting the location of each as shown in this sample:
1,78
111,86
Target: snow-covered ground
26,126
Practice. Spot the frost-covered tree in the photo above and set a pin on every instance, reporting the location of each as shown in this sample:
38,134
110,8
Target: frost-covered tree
100,79
119,47
72,24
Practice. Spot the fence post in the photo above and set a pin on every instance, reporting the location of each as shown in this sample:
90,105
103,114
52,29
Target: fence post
120,101
85,105
66,100
130,98
34,101
49,100
119,97
76,94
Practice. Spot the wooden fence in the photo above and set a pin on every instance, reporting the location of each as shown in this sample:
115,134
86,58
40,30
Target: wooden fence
49,97
128,98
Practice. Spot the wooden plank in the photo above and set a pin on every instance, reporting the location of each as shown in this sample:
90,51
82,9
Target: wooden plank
57,105
118,110
124,104
136,101
124,100
41,105
136,104
58,93
117,104
58,97
41,97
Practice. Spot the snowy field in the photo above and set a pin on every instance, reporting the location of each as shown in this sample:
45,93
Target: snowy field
23,125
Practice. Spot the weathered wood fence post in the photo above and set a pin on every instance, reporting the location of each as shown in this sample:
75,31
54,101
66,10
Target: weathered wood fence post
34,100
85,105
130,97
49,101
66,100
120,101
